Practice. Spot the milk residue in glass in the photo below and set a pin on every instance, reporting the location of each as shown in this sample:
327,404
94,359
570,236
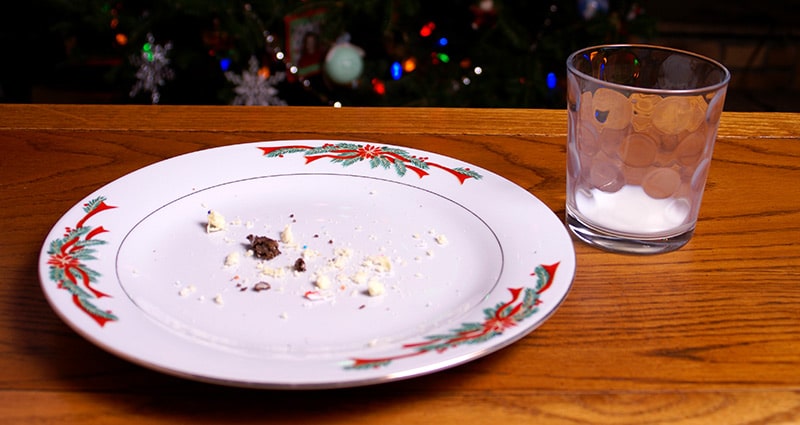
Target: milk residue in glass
630,209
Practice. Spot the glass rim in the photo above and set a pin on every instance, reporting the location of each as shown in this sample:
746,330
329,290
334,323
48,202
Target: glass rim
713,87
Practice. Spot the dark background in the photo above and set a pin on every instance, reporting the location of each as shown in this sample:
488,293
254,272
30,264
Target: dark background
759,41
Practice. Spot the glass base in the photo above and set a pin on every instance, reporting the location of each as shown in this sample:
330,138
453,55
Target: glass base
621,244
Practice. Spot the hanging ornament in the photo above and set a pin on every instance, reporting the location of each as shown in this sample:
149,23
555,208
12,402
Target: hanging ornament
344,63
154,70
253,88
590,8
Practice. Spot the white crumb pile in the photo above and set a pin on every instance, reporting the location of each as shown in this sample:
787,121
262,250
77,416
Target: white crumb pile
319,273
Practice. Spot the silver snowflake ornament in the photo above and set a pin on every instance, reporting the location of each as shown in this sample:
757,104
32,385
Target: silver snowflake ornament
154,69
254,89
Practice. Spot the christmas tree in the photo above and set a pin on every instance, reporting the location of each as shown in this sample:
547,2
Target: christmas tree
474,53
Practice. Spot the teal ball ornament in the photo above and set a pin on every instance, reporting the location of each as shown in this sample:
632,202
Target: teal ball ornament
344,63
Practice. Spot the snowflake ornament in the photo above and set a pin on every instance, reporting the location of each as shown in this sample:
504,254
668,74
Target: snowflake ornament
154,70
254,89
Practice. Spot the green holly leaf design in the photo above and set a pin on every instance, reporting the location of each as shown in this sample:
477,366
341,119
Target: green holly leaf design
400,168
384,157
93,204
469,173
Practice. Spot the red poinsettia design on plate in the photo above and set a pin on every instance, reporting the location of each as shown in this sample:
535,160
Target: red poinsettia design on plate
385,157
523,304
68,257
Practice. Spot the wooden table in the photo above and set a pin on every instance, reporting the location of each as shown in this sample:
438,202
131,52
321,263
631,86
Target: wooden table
707,334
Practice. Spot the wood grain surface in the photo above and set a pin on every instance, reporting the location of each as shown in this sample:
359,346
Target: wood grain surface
709,334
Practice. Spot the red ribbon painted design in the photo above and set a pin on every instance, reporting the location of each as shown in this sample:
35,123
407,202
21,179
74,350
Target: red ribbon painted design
384,157
68,257
523,304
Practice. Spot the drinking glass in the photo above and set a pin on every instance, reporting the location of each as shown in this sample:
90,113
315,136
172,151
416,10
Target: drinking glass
642,124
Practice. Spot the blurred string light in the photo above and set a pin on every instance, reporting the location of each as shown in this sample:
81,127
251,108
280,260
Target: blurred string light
440,57
551,80
119,37
409,65
397,71
378,86
147,52
427,29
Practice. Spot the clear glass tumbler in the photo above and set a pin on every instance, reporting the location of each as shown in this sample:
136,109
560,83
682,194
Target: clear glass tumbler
642,124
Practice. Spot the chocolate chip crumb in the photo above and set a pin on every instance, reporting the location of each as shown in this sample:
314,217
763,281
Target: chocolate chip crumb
300,265
261,286
264,247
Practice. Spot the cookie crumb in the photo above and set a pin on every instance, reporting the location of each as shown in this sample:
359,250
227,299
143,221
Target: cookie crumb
323,282
287,236
216,222
360,277
264,247
375,288
232,259
186,291
379,263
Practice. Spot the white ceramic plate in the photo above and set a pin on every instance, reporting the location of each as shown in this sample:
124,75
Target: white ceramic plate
468,263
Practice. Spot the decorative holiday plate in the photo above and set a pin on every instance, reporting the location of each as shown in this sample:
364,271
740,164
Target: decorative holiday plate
306,264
